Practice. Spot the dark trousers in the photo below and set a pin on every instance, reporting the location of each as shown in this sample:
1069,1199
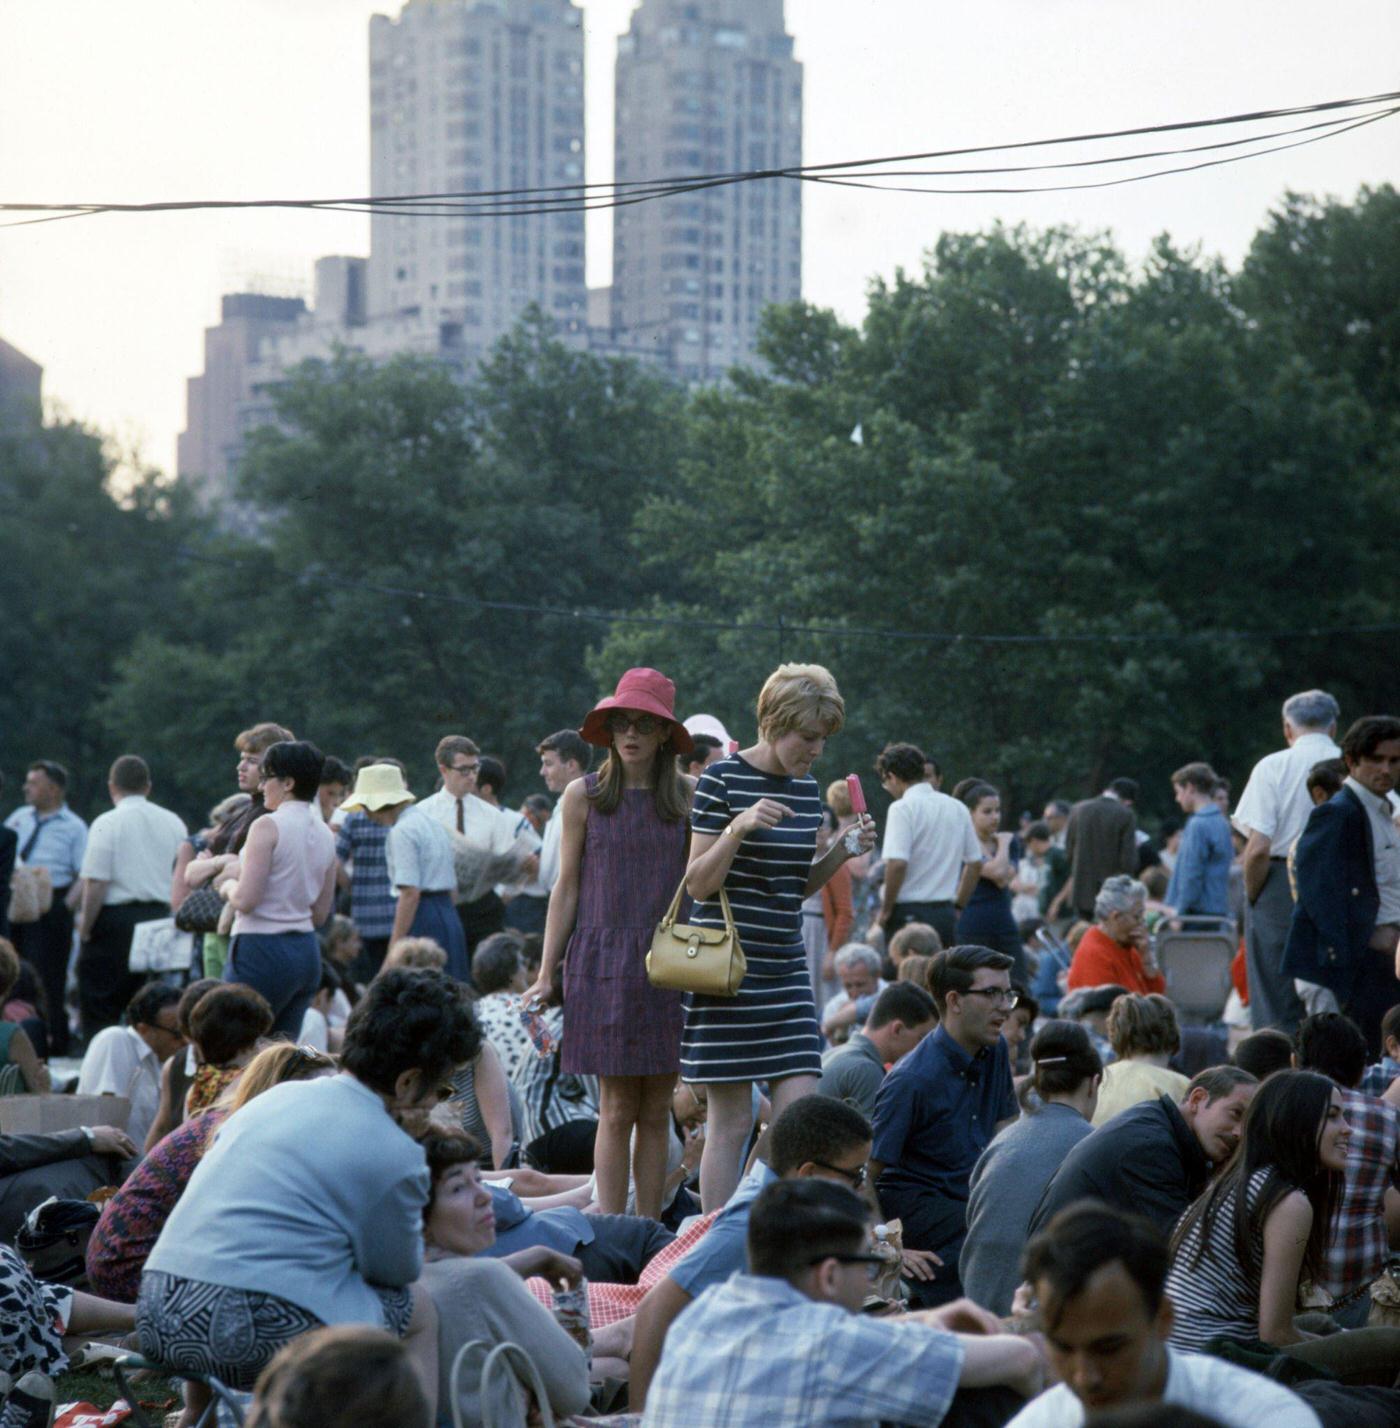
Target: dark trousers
931,1222
622,1245
526,913
366,966
46,946
105,984
941,916
1273,1000
1375,992
480,919
565,1150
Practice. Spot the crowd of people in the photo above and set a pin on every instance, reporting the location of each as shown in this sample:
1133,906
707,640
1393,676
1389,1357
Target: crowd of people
408,1084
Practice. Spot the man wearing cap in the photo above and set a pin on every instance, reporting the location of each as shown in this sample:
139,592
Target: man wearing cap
418,852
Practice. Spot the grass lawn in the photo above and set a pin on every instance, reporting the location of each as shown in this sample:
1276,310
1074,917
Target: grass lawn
100,1390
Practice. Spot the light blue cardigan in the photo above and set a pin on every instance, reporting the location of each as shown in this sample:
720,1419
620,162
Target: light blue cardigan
311,1192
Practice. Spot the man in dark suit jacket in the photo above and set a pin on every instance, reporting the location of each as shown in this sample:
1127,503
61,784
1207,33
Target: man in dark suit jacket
1100,841
9,851
1343,933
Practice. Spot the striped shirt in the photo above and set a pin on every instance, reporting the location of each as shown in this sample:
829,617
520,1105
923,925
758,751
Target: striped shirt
1217,1296
767,878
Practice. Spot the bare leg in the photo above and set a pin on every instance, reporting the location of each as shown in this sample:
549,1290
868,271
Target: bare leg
421,1343
91,1315
619,1104
727,1132
197,1399
653,1141
790,1089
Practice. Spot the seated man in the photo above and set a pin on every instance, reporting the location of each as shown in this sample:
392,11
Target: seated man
940,1107
785,1345
126,1060
902,1016
1155,1157
858,967
815,1137
70,1164
1098,1276
613,1249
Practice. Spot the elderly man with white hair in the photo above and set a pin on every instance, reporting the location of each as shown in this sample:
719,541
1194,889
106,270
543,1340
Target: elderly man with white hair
858,966
1271,814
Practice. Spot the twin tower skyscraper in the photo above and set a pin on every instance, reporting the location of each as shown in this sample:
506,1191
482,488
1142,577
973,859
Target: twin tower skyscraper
484,96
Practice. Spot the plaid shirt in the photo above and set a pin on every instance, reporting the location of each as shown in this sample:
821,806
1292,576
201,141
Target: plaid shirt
361,841
1359,1246
756,1350
1376,1079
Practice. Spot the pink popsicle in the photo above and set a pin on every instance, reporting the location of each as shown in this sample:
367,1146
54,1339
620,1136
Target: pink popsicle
857,793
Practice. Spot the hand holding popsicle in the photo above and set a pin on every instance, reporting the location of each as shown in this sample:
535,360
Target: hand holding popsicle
860,837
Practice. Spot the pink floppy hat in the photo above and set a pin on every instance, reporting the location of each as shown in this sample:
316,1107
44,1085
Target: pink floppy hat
649,692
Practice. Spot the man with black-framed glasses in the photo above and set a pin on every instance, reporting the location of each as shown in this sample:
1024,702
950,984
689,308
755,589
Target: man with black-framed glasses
786,1346
940,1107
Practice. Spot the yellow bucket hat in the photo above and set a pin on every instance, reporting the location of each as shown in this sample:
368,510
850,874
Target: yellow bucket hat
378,786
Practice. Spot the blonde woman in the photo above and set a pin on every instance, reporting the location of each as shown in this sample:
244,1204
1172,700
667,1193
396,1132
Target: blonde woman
754,834
1144,1035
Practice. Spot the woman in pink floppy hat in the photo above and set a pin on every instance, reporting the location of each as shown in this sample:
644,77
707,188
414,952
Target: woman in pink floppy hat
621,857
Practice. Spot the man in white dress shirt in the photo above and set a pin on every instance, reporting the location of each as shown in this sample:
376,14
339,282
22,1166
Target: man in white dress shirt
489,829
1271,814
563,758
931,853
127,1060
127,866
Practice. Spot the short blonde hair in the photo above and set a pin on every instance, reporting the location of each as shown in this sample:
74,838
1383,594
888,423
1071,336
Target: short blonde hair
419,953
798,694
1143,1025
838,795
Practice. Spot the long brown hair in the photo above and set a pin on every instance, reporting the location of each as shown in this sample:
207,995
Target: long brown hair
668,789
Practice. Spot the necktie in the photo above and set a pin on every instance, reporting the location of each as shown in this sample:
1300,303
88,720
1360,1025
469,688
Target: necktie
34,838
461,818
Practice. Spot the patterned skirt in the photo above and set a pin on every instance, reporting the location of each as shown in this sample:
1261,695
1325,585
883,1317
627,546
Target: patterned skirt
233,1334
765,1033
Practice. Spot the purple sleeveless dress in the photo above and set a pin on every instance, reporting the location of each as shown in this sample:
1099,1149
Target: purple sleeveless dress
615,1022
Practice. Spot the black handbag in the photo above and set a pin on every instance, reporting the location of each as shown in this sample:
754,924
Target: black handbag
200,912
53,1241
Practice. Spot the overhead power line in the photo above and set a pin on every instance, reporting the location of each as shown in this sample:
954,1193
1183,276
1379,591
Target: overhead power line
863,173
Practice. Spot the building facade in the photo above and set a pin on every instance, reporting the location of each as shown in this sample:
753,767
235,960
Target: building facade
21,387
477,97
706,87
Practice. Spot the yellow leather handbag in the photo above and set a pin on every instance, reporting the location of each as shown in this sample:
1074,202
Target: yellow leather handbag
686,958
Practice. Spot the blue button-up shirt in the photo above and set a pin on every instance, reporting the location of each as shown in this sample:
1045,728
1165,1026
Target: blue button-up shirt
936,1113
1201,878
60,845
756,1350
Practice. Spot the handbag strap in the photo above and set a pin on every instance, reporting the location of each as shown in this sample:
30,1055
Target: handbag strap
668,918
505,1358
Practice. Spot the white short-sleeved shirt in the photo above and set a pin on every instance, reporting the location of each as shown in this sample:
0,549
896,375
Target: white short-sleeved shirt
1232,1396
933,834
549,849
482,824
119,1063
1275,801
133,849
418,853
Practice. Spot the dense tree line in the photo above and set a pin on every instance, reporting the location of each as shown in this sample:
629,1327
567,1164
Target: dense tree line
1157,480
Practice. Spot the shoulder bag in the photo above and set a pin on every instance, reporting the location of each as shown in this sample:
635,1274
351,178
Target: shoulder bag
687,958
31,893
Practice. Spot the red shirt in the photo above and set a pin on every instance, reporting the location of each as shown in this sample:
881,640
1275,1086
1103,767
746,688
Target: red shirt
1100,961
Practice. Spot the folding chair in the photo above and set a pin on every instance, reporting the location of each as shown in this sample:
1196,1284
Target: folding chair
1196,959
222,1397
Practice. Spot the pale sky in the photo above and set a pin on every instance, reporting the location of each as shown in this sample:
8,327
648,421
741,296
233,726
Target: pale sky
178,99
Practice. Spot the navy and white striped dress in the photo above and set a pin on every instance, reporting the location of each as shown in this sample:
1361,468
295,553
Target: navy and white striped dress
769,1030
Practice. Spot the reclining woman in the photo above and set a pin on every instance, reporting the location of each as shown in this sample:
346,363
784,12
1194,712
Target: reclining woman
481,1298
307,1209
134,1217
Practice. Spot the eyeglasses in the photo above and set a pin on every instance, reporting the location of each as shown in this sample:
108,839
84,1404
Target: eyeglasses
642,723
856,1178
464,768
873,1262
1005,998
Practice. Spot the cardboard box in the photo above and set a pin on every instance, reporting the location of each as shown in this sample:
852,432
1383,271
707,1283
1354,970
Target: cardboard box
37,1115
